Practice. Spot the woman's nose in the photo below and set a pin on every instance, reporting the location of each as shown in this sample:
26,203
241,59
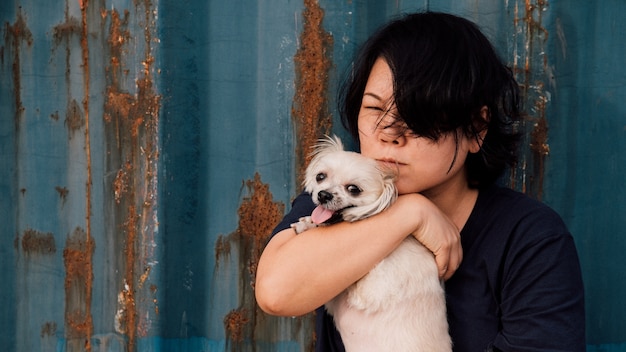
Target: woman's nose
393,138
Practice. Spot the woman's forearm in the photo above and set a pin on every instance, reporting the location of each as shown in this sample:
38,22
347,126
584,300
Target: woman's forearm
298,273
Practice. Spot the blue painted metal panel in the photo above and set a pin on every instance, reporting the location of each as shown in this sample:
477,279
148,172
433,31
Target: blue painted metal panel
131,133
585,169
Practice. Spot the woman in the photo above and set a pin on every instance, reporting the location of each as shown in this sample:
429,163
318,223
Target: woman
430,97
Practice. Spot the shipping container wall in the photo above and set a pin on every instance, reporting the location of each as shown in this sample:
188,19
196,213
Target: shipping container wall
147,149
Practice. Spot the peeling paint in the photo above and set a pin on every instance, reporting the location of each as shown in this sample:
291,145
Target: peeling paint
35,242
310,113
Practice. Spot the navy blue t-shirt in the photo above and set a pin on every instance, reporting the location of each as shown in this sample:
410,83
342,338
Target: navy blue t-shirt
519,287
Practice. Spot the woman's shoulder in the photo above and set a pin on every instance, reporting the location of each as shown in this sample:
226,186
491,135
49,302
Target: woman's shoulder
508,203
507,211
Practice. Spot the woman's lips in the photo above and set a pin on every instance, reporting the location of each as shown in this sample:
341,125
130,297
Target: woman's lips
390,162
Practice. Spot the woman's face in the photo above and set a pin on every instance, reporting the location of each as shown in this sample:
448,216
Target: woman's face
422,165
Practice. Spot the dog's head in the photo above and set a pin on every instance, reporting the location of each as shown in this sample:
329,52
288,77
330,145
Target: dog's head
346,183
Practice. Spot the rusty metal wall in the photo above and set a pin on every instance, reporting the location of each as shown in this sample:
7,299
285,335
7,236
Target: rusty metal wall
148,147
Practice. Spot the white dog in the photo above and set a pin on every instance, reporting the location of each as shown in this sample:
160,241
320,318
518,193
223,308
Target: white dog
400,304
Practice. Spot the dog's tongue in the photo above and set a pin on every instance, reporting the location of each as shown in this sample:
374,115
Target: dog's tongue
321,214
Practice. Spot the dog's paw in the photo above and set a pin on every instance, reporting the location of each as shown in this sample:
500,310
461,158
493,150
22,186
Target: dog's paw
303,224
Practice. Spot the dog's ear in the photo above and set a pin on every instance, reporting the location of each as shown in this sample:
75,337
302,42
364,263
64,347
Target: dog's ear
386,198
390,192
328,144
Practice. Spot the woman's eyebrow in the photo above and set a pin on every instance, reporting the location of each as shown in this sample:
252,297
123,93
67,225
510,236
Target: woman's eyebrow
372,95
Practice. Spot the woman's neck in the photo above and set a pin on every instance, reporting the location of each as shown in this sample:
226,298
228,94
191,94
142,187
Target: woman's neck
457,201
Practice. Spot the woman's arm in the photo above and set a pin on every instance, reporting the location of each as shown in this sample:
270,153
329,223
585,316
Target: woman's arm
542,301
298,273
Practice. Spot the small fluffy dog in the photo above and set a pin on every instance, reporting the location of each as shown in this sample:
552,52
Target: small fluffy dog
400,304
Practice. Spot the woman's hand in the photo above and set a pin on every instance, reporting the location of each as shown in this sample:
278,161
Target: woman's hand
437,233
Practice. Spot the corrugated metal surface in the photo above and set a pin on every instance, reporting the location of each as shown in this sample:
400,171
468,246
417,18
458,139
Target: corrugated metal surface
147,148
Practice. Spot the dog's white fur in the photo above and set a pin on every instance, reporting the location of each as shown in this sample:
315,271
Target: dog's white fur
400,304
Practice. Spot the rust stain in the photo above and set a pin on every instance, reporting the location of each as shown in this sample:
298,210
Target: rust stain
222,248
144,276
531,76
131,123
63,32
234,323
74,117
130,255
86,325
310,113
126,315
80,245
48,329
84,44
258,214
36,242
63,192
77,258
14,36
121,182
153,291
118,37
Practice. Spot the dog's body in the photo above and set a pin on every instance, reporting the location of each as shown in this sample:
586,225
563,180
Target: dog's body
400,304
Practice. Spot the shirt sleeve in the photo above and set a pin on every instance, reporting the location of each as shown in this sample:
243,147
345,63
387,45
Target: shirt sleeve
301,206
542,295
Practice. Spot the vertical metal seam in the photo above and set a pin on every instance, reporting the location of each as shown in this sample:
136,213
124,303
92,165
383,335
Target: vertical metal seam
84,4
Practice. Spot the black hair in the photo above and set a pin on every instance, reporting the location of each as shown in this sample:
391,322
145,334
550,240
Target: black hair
444,71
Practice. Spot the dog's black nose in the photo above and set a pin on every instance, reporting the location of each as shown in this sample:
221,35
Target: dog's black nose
324,197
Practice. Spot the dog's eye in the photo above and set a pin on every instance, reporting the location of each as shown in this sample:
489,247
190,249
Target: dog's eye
320,177
353,189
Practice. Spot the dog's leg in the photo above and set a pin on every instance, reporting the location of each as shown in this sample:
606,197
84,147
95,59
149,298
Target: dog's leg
303,224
